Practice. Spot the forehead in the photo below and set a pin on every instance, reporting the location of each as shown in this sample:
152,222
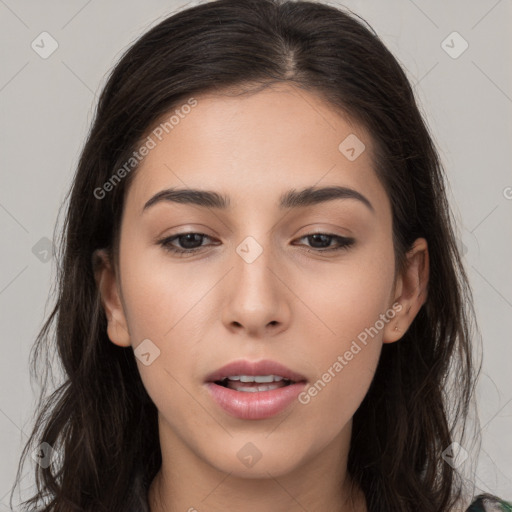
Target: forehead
255,146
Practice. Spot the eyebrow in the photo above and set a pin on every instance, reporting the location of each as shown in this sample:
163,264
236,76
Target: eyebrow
291,199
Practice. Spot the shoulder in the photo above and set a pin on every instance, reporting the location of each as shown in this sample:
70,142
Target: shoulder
487,503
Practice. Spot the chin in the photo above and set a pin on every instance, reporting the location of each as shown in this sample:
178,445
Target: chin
254,459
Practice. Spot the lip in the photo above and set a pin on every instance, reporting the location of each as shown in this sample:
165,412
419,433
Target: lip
254,406
260,404
264,367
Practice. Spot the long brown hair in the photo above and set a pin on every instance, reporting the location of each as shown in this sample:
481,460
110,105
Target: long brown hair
94,417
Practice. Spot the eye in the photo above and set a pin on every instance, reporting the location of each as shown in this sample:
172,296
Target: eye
321,242
192,242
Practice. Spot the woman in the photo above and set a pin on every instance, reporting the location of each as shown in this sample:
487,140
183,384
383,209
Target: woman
261,302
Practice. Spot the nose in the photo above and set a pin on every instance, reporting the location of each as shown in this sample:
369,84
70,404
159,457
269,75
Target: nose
256,291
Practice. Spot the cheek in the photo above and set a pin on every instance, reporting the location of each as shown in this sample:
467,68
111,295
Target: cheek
330,402
345,357
168,305
342,300
162,298
351,307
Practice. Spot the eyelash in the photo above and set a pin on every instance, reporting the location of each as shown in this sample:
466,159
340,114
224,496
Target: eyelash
344,243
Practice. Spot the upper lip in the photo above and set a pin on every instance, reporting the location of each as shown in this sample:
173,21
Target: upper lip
245,367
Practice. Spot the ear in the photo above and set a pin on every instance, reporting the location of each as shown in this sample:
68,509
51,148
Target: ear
410,291
106,281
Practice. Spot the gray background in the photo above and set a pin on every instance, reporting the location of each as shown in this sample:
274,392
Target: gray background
47,105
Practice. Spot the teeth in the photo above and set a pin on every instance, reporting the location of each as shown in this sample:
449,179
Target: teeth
256,389
256,378
255,383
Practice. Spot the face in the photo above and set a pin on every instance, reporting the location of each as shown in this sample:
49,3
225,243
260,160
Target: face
310,285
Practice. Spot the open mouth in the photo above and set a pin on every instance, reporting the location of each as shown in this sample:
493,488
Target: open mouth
253,384
254,391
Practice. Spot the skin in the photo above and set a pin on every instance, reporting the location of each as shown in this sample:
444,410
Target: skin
302,309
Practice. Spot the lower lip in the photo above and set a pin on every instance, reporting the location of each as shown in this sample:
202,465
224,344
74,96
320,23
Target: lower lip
254,406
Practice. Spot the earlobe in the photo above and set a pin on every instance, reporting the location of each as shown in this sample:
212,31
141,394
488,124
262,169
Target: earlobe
412,291
106,282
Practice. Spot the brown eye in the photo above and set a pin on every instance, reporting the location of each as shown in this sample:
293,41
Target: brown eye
321,242
191,242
